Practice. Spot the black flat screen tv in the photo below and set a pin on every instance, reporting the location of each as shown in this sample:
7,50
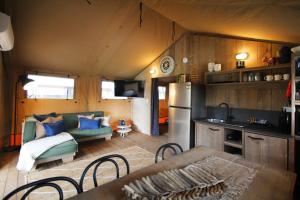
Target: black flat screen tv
129,88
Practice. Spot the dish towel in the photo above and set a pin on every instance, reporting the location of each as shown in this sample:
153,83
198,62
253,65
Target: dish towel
33,149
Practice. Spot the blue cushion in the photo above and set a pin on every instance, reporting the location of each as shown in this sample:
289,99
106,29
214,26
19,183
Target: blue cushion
88,124
43,117
54,128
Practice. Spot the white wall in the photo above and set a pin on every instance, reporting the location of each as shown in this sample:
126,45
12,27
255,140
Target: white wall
141,108
141,114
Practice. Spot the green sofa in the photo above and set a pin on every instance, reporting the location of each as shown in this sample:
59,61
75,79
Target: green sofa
67,150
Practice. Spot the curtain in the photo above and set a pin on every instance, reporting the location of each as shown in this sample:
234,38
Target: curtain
154,108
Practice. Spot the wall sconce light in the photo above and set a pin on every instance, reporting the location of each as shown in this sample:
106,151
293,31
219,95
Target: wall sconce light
185,60
241,57
152,71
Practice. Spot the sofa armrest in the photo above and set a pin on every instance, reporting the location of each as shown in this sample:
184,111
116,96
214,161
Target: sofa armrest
29,130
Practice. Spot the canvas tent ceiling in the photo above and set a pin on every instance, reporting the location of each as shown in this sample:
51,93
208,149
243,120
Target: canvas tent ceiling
262,19
103,38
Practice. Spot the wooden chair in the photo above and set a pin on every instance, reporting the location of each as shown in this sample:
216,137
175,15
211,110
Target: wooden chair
164,147
47,182
98,162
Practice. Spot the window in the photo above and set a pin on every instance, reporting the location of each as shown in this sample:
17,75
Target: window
108,90
51,87
162,92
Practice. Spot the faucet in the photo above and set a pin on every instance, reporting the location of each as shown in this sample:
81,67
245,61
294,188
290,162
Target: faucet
227,110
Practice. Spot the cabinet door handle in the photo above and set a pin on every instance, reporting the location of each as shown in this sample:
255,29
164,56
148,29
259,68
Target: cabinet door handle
255,138
214,129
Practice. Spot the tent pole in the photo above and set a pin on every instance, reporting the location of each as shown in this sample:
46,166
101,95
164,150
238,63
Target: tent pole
14,147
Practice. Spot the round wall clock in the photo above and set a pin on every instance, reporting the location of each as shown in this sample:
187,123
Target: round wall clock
167,65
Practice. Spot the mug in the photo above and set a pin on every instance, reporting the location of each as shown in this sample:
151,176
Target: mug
277,77
269,77
217,67
250,77
210,66
257,76
286,77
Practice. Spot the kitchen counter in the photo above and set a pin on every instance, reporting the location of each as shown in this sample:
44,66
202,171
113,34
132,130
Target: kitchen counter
258,129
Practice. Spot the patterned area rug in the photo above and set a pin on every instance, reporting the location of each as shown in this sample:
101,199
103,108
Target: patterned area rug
212,178
137,157
237,177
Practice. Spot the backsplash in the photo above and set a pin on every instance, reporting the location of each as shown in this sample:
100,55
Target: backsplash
243,115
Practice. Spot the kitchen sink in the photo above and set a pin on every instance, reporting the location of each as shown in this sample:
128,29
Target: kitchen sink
240,124
212,120
229,123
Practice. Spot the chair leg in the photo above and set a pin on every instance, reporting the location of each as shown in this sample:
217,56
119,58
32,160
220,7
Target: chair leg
67,159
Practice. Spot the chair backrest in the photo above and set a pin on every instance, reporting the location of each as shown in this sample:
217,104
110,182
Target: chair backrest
98,162
164,147
47,182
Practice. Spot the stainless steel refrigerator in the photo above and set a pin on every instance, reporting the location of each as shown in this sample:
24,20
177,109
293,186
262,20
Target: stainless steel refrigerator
186,103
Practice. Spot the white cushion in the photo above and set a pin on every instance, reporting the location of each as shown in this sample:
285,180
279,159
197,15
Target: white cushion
104,120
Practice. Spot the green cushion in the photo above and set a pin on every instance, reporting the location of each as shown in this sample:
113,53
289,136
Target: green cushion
71,119
68,147
77,133
29,131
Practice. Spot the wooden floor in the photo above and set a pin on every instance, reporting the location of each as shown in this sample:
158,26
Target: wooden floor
10,178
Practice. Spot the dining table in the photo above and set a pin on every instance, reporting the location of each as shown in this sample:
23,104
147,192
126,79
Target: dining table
267,184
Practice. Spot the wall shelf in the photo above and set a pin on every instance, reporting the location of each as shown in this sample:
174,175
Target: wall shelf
297,102
235,76
297,78
250,83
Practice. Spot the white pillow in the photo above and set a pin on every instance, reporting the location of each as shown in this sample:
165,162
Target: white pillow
104,120
84,116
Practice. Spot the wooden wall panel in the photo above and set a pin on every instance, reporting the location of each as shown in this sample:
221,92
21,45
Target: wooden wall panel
204,51
275,49
207,49
224,52
278,96
262,97
263,49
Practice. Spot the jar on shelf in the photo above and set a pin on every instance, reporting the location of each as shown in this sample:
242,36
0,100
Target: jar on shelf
245,77
250,77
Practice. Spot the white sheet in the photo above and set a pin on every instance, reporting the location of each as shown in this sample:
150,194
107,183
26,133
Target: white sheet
33,149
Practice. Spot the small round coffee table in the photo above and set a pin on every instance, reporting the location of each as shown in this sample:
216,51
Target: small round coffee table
124,130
